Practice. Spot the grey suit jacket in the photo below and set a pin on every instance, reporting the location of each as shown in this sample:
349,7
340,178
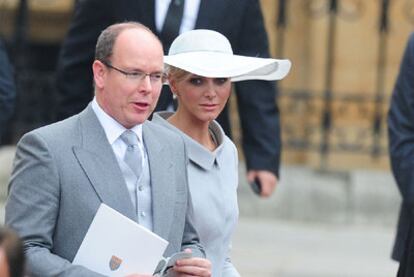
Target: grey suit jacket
62,172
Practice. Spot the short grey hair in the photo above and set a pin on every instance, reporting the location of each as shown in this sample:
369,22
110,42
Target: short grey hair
106,40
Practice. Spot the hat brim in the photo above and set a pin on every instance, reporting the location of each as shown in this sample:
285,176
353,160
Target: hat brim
222,65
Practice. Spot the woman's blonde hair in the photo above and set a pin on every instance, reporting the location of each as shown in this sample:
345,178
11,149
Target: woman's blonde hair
176,73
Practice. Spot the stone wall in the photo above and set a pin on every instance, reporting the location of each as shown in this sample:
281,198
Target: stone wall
356,78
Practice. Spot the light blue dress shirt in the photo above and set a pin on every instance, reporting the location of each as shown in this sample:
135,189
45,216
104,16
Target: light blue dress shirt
213,180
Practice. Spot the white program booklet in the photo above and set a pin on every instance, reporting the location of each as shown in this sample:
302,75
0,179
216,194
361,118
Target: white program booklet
117,246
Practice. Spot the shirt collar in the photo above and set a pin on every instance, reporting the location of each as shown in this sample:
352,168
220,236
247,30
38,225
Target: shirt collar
113,129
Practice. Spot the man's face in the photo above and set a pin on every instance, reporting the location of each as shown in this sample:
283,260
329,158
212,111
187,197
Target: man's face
127,98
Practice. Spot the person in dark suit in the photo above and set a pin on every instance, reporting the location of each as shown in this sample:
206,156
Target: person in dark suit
109,153
401,150
241,21
7,89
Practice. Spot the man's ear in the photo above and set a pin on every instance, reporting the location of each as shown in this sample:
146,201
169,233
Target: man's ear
99,73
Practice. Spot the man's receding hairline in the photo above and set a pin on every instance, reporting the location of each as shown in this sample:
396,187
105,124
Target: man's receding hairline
139,27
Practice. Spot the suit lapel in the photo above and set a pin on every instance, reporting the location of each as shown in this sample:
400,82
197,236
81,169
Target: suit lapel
147,13
161,175
99,163
207,13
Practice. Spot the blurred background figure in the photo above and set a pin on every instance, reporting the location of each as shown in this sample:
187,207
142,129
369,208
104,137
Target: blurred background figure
241,21
401,148
7,89
12,259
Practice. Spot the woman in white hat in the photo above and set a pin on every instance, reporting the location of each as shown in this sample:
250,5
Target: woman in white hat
200,68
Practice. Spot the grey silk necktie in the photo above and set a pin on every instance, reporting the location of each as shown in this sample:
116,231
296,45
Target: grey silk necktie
132,156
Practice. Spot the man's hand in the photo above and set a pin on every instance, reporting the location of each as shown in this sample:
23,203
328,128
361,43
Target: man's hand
191,267
267,179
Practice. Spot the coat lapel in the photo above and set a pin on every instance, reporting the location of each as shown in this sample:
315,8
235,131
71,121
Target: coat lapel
207,14
162,185
99,163
147,13
142,11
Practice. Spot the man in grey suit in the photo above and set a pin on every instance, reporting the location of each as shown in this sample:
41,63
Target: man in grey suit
62,172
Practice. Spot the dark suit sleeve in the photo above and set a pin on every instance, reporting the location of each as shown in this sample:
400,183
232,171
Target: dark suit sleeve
256,100
74,74
401,126
7,88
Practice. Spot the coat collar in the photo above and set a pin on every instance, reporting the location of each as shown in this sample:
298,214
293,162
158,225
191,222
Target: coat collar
197,153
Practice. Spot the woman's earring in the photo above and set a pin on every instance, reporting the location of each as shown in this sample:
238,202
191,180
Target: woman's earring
174,96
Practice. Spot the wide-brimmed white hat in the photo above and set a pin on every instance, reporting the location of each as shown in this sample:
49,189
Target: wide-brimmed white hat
209,54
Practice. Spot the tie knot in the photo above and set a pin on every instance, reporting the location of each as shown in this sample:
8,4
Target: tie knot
130,138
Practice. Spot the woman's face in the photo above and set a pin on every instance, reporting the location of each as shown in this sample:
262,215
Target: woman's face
201,98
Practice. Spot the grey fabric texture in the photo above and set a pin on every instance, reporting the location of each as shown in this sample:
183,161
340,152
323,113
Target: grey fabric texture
213,181
62,172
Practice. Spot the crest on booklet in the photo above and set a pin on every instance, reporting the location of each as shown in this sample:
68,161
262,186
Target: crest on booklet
115,263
